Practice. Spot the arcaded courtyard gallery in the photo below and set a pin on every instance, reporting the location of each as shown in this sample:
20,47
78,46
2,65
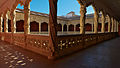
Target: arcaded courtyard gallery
55,36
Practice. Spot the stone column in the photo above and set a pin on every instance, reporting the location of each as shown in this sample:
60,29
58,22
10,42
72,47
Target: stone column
82,18
74,27
109,24
13,21
112,30
96,20
92,27
39,28
1,21
117,26
53,27
5,23
27,18
62,28
103,23
67,28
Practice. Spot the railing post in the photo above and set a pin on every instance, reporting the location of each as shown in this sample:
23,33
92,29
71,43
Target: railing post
1,21
53,28
109,24
103,22
82,18
5,23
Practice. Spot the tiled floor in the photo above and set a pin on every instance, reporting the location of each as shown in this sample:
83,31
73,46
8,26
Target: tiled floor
104,55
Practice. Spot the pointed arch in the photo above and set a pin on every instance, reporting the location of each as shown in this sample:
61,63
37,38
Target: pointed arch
44,26
34,26
65,27
71,27
20,26
78,27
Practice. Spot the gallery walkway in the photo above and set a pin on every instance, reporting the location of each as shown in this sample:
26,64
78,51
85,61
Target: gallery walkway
103,55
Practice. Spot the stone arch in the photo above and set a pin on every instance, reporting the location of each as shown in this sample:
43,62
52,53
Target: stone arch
20,26
78,27
59,27
44,26
71,27
88,27
34,26
65,27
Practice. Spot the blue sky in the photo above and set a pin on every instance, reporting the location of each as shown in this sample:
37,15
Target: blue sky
64,7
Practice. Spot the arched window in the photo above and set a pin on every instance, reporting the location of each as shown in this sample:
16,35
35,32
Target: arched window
65,28
99,26
34,26
88,27
71,27
44,26
59,27
20,26
106,26
78,27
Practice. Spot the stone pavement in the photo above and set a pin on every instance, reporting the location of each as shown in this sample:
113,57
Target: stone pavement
103,55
